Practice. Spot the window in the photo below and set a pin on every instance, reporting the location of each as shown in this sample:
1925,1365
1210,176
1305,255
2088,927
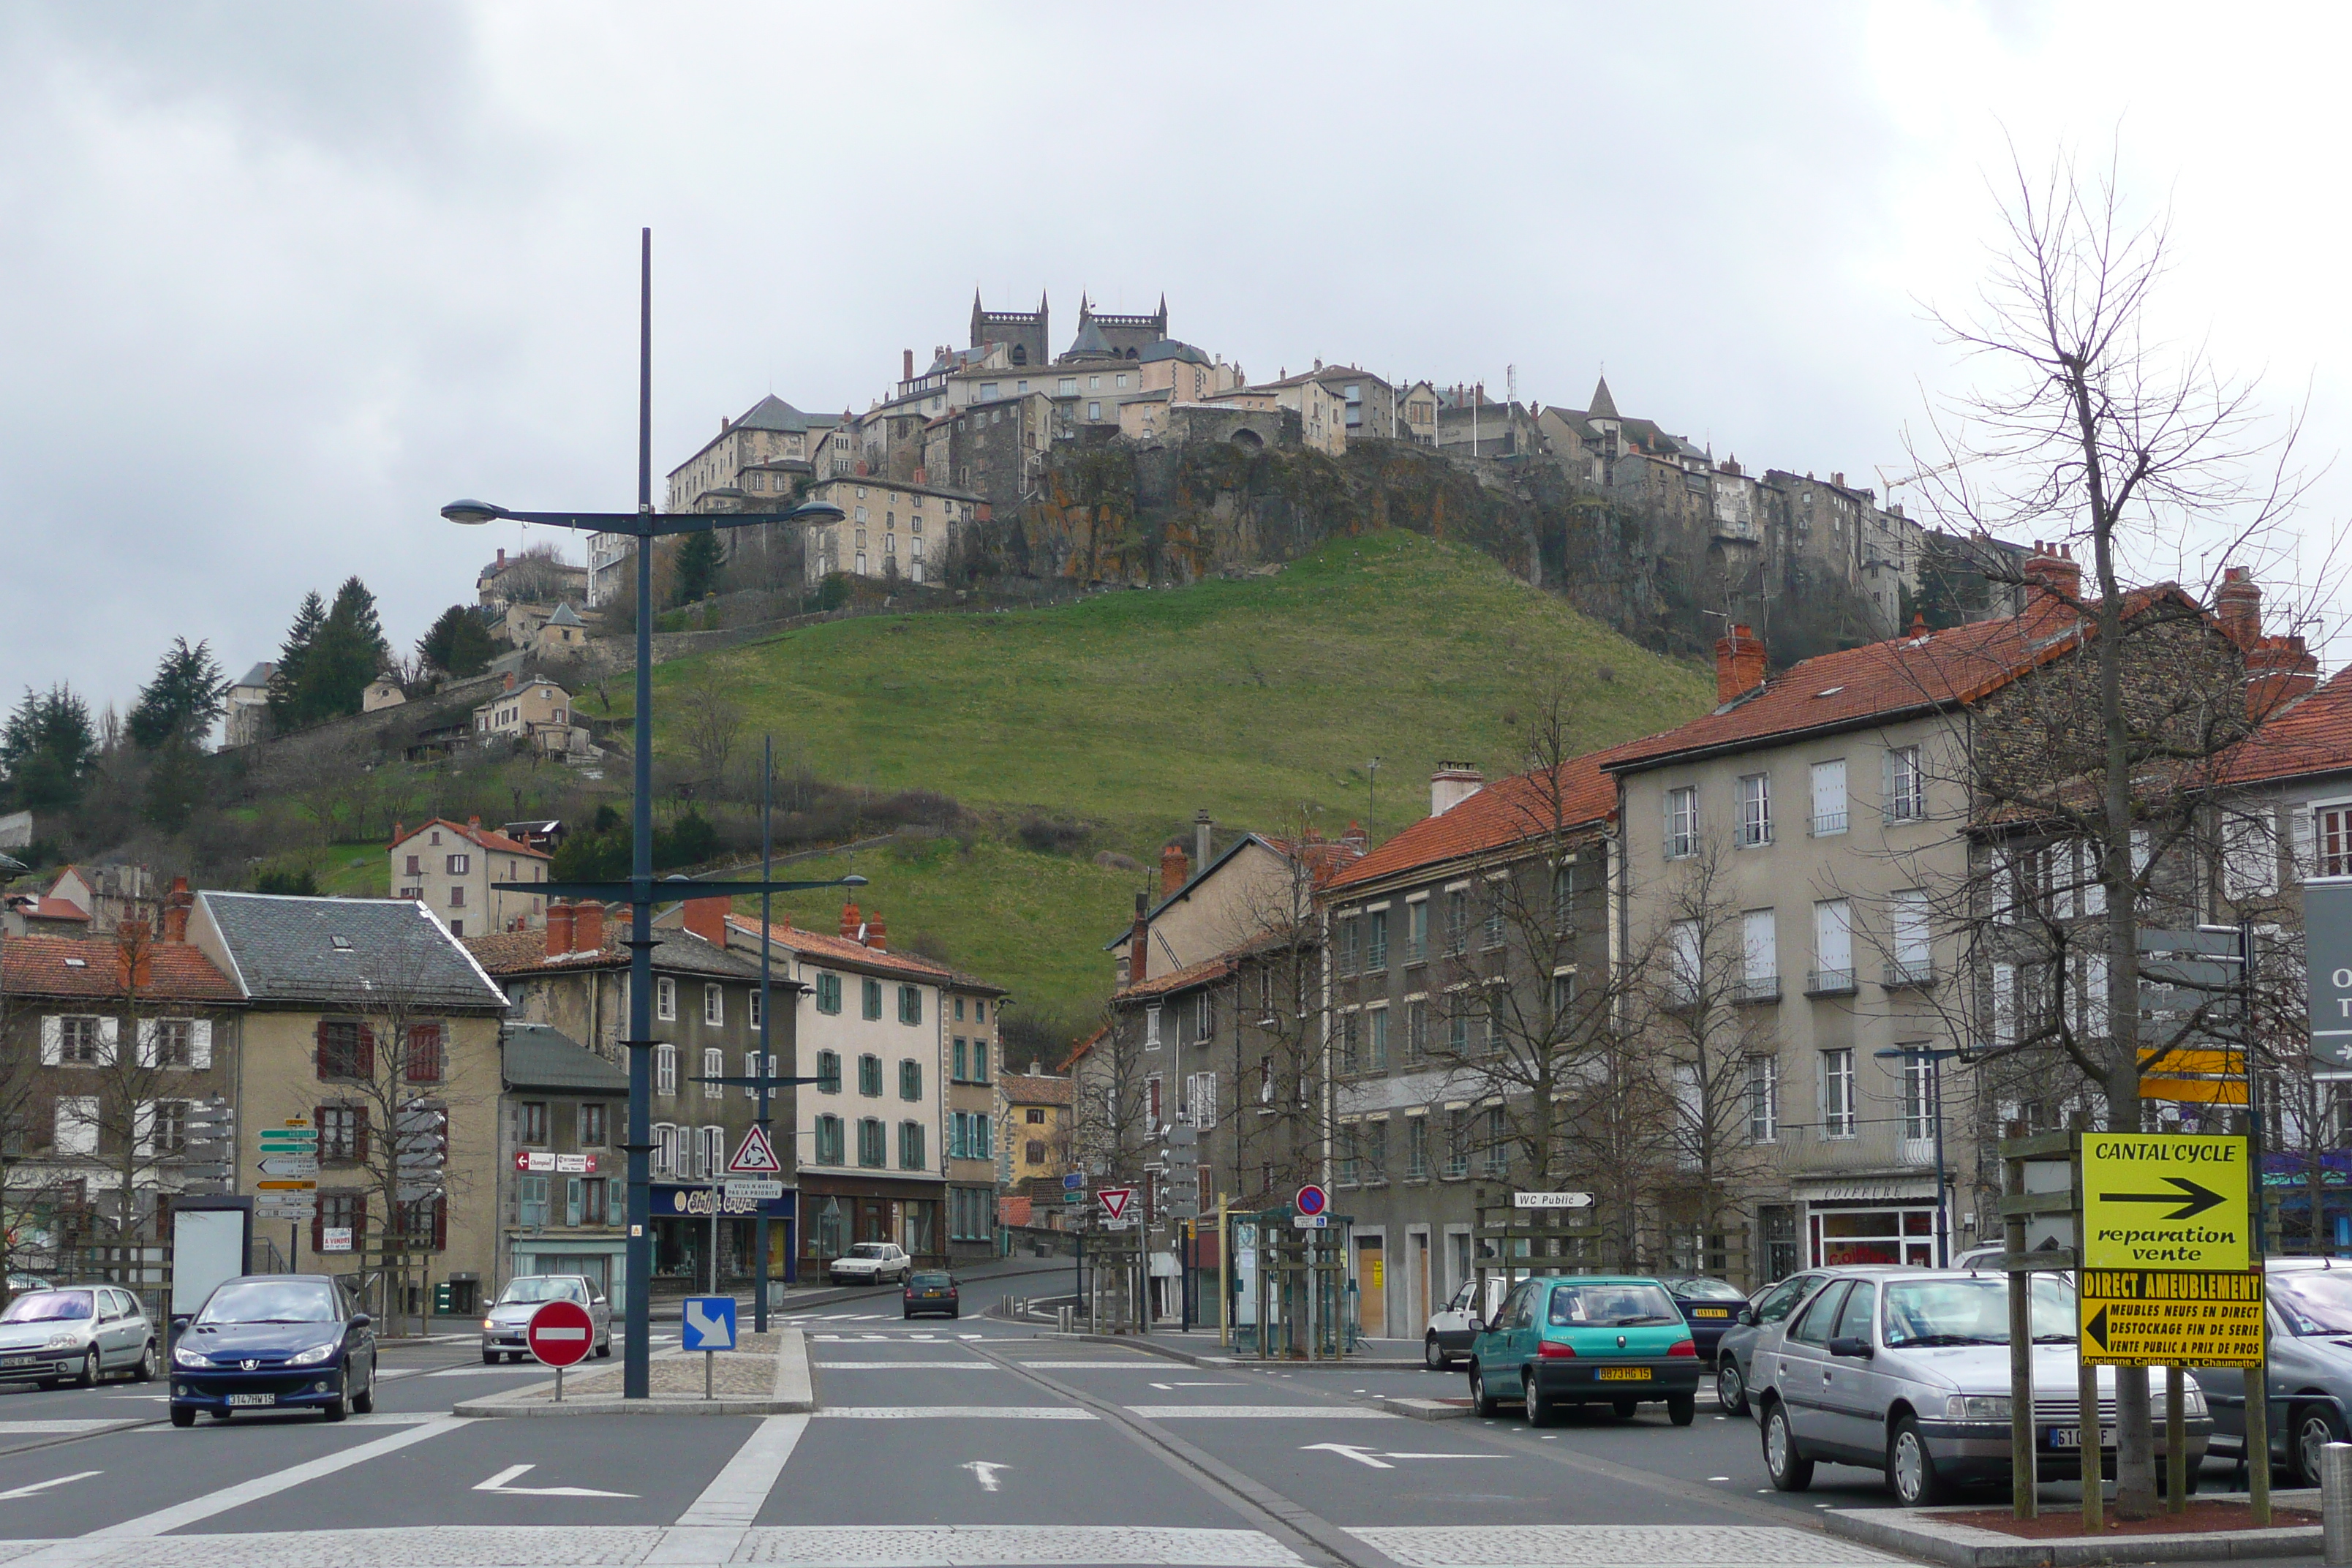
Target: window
1833,946
339,1211
171,1042
1828,798
342,1131
664,1069
1351,1042
714,1065
1205,1017
1372,1148
2249,856
873,1144
1913,958
414,868
872,997
666,998
1684,959
1034,1115
958,1009
1497,1143
980,1061
1344,1164
1376,940
346,1049
1496,998
1837,1093
1266,1081
710,1153
460,865
1563,996
751,1070
1907,797
752,999
1151,1115
1352,942
1918,1098
1417,930
1200,1099
1417,1148
2004,1004
1416,1030
1682,822
77,1041
1763,1098
869,1076
714,1004
1495,890
1376,1041
910,1080
828,1140
1093,410
1755,810
1457,1023
2331,847
910,1004
1152,1029
910,1146
1759,956
962,1060
1457,921
592,1123
828,992
828,1072
531,1124
1563,898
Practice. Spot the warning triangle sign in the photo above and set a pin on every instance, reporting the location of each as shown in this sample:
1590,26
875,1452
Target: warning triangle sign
1114,1200
757,1156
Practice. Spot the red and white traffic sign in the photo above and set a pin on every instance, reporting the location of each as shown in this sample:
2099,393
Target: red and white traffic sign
757,1157
1114,1201
1313,1200
561,1333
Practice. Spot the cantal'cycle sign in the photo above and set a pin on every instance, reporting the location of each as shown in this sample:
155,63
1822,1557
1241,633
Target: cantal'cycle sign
2162,1200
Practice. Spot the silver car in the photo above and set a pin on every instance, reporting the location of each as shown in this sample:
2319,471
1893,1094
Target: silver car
1907,1372
503,1327
79,1334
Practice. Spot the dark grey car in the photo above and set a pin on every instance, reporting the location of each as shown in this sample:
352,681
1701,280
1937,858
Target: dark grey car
2310,1386
1767,1309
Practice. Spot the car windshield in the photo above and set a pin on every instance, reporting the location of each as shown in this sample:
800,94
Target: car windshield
49,1306
1611,1306
867,1249
930,1281
542,1288
1709,1290
1929,1312
2319,1302
271,1301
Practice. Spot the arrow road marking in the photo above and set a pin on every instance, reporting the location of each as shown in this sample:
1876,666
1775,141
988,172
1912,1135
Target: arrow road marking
1379,1459
500,1483
2193,1198
985,1473
61,1480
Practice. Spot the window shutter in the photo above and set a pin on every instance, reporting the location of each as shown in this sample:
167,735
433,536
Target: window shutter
1887,786
359,1132
2299,842
318,1227
142,1128
441,1224
358,1220
200,1043
53,1041
145,1047
110,1036
319,1047
366,1053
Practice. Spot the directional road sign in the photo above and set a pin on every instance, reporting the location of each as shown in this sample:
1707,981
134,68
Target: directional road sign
1551,1200
290,1165
1313,1200
1072,1181
286,1184
561,1333
757,1157
710,1323
1114,1201
2171,1317
2164,1201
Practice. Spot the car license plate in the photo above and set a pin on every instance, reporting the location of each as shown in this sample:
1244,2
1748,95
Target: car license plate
20,1361
1710,1313
253,1399
2072,1437
1623,1375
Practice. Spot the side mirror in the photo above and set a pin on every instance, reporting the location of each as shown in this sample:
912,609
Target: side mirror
179,1323
1851,1345
1745,1317
361,1321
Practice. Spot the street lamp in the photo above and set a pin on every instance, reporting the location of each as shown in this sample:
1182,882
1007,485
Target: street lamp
644,525
1934,1057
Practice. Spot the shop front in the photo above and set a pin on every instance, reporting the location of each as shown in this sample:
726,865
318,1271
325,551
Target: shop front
1861,1231
690,1221
844,1212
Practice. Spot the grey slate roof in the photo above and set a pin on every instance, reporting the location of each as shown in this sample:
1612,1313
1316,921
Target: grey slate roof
534,1056
564,616
772,413
1169,348
259,674
1604,405
283,949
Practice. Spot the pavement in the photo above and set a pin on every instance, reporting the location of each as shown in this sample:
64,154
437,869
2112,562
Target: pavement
936,1442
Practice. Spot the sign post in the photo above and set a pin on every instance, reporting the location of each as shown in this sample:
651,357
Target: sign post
707,1325
559,1334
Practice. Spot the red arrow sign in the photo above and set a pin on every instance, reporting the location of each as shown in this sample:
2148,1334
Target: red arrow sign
561,1333
1114,1201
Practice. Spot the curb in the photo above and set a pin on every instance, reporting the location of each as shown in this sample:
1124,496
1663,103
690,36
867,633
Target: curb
1227,1359
1922,1535
1421,1409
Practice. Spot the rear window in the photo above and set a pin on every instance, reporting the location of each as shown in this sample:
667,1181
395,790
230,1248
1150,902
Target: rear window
869,1250
1611,1306
1709,1290
930,1281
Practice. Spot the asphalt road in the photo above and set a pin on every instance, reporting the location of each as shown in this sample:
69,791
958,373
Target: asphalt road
971,1441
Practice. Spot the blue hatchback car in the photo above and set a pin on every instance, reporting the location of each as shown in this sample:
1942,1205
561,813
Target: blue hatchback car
273,1341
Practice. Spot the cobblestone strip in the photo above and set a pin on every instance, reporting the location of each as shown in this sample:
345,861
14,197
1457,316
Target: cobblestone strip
1614,1546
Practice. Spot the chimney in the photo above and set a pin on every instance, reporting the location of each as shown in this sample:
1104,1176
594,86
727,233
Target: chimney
588,926
176,905
722,424
908,362
785,920
1174,871
2239,607
851,919
1204,836
877,935
398,832
1355,839
861,468
509,680
921,476
2278,671
502,555
134,956
2050,568
475,822
1738,664
559,927
1453,784
1139,943
707,917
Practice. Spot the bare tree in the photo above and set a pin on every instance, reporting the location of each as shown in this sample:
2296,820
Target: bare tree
710,719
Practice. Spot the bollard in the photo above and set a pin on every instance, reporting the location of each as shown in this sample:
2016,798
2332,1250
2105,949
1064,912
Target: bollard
2336,1503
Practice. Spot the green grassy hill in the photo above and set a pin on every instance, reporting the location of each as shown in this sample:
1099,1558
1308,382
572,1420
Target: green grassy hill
1261,699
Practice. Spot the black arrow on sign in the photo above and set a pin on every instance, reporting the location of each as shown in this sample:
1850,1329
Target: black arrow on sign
2192,1198
2097,1327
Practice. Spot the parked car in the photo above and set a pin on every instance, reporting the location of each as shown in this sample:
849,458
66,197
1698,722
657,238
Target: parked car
1770,1306
1907,1372
1451,1327
933,1290
871,1263
81,1333
503,1330
1613,1340
1709,1306
273,1341
2310,1386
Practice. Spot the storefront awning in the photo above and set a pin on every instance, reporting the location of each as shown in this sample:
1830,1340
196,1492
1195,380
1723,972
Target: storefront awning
1881,1190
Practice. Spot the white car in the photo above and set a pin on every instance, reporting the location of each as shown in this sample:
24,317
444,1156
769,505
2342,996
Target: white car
871,1263
1452,1326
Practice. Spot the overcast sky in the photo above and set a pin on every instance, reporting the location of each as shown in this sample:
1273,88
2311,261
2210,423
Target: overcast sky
283,279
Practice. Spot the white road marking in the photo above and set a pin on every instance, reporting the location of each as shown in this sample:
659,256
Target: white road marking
735,1493
1378,1458
44,1486
1261,1412
895,1365
520,1369
950,1412
181,1515
502,1484
19,1429
981,1471
1212,1384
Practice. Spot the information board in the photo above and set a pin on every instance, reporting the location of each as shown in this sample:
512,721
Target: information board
2164,1200
2161,1317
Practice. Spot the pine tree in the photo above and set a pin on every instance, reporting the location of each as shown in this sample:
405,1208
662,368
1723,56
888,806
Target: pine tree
699,561
458,644
330,657
175,784
188,693
46,748
286,681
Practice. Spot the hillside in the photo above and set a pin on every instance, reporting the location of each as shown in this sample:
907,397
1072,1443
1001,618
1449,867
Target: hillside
1261,699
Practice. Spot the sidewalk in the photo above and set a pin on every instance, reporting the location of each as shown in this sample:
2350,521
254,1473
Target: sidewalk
765,1375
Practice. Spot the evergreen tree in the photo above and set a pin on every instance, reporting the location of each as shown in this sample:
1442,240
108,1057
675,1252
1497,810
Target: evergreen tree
350,652
175,784
699,561
458,644
46,748
189,692
286,681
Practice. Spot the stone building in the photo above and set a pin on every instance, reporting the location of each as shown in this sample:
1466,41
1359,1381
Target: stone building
454,871
889,528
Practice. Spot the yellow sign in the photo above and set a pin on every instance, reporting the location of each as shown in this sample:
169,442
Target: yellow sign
2163,1317
2164,1201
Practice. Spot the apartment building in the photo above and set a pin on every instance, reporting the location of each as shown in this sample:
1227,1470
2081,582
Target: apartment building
453,870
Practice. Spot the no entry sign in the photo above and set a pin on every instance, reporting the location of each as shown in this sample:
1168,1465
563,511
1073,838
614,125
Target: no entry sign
561,1333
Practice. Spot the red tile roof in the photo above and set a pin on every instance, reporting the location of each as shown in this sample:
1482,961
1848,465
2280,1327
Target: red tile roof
843,950
488,838
41,907
1035,1088
45,966
1191,974
2311,736
1505,812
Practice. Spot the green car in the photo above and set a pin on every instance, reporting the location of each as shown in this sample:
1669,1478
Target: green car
1608,1340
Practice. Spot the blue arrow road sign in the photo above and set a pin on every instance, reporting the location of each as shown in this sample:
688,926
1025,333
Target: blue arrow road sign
710,1323
1073,1180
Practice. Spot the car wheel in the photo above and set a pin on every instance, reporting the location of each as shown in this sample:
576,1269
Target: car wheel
1910,1469
2315,1426
907,1317
489,1358
44,1383
364,1402
144,1370
1531,1401
341,1406
1432,1354
1481,1401
88,1378
1730,1387
605,1349
1682,1410
1624,1408
1789,1470
955,1312
183,1415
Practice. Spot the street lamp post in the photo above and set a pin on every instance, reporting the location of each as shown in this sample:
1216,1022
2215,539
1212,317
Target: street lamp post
644,525
1934,1057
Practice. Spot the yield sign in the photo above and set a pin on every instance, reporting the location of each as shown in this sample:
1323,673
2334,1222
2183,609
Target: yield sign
1114,1201
757,1156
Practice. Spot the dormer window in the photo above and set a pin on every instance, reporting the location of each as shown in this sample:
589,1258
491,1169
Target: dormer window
340,944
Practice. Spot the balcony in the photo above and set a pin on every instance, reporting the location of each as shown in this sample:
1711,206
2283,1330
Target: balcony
1877,1146
1915,972
1756,988
1829,823
1829,982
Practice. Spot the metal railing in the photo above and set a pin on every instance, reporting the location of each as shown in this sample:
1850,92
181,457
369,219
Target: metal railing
1829,982
1756,988
1918,971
